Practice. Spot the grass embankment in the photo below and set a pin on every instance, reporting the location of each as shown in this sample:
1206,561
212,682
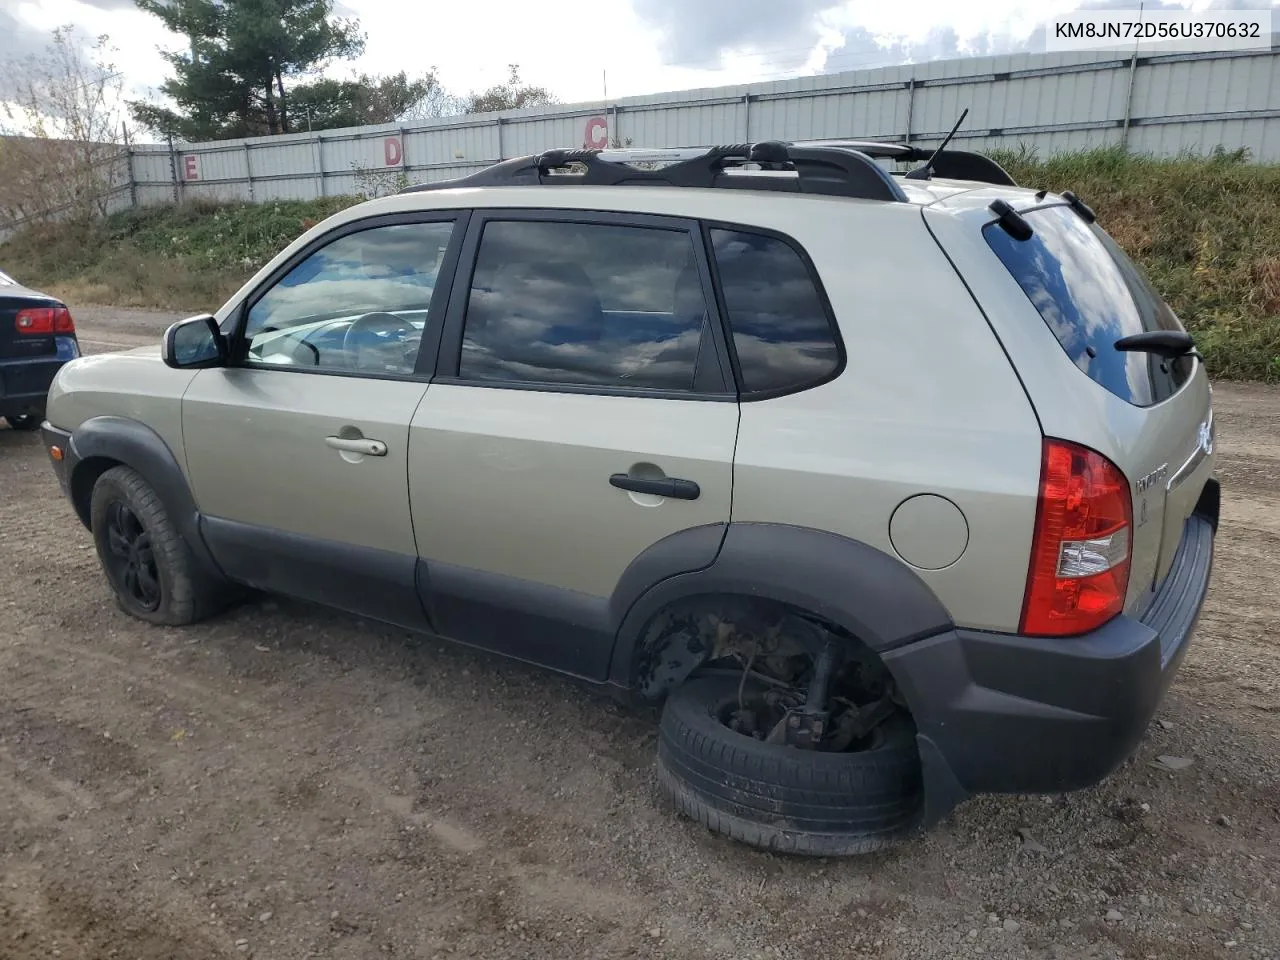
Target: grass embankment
190,256
1207,231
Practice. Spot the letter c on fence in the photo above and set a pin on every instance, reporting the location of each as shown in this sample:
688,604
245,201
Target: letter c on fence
392,151
597,134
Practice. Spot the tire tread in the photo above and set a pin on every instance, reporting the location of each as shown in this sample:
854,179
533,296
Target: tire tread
784,799
186,597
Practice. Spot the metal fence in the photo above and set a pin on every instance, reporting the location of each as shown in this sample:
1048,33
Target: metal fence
1159,104
49,180
1162,104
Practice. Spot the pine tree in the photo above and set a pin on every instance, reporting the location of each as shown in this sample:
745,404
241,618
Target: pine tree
231,80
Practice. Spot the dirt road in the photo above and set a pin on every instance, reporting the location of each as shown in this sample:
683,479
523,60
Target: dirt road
285,782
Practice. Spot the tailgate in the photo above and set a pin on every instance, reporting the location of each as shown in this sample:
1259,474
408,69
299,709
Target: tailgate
18,346
1169,455
1060,300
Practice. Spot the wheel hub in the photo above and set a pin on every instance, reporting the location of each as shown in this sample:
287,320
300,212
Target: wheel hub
832,711
130,558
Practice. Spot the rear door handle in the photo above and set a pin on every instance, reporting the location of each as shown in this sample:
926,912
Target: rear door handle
370,448
666,487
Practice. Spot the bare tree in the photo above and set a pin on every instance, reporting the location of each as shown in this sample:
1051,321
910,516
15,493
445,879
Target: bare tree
438,102
60,131
515,94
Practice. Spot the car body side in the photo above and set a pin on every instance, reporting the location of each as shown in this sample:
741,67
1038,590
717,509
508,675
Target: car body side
925,448
926,403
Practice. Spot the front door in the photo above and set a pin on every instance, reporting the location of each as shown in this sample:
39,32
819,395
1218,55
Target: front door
580,414
298,453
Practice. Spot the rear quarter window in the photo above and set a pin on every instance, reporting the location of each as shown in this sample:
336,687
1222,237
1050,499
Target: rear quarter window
783,335
1091,294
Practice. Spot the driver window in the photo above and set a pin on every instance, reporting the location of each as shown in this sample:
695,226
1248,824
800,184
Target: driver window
357,305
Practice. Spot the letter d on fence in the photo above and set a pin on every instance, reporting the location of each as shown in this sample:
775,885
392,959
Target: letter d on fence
392,151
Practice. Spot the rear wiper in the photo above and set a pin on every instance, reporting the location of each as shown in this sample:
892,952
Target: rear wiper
1168,344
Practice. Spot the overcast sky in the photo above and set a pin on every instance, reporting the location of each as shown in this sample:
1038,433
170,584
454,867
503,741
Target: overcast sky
645,46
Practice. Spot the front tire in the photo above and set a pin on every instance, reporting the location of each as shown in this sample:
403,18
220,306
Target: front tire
783,798
147,563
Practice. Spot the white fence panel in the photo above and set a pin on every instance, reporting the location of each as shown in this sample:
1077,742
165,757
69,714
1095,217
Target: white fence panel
1159,104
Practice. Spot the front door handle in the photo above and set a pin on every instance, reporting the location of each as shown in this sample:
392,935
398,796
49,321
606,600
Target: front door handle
665,487
370,448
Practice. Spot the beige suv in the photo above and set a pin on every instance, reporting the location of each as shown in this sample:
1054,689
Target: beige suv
896,488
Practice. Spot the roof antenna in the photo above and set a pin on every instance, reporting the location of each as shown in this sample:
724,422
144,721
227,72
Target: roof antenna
925,172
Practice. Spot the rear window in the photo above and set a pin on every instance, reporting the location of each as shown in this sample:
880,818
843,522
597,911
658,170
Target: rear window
1091,294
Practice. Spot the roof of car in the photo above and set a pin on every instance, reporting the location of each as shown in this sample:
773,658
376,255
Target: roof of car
785,212
925,192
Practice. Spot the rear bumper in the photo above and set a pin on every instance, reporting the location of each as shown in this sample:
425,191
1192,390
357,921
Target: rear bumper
24,384
1007,714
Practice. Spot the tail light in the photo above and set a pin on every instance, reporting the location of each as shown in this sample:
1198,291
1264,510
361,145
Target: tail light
45,322
1080,554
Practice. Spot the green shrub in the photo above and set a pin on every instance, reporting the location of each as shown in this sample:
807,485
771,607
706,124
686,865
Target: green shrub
188,256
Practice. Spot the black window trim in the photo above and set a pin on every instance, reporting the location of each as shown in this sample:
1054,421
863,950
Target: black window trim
722,308
450,348
429,345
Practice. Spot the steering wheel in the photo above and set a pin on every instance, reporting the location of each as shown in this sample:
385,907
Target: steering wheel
376,341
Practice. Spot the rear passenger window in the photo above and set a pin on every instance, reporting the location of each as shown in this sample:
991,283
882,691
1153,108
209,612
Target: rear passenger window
1091,294
587,304
783,336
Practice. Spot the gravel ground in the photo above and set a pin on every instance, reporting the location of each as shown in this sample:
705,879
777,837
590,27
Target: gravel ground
287,782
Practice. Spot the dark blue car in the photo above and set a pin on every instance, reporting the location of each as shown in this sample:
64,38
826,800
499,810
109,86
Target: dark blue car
37,336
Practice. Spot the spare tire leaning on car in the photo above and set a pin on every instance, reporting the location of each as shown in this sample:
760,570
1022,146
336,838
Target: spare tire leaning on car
780,797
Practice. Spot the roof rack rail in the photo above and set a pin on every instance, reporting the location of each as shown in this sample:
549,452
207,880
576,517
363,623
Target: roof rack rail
836,170
949,164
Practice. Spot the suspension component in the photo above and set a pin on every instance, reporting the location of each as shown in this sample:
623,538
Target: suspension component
806,725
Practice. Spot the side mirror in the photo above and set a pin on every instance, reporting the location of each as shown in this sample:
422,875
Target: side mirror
194,343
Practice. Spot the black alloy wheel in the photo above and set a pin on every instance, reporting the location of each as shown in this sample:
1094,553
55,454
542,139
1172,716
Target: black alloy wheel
130,558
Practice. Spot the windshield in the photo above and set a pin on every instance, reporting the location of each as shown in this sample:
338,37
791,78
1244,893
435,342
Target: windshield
5,279
1091,294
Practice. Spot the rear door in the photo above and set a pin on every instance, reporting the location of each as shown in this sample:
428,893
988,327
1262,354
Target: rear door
580,414
1151,416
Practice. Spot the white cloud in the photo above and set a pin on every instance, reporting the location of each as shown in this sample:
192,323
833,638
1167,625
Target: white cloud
571,54
134,34
645,46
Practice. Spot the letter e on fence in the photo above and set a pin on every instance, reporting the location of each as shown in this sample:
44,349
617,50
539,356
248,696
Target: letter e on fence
596,136
191,166
392,152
